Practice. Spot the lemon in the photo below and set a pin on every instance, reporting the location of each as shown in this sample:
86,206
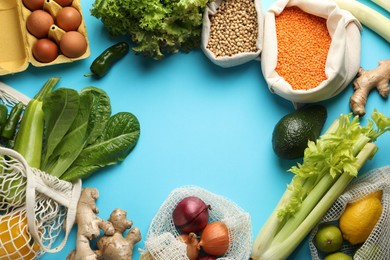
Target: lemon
328,238
338,256
359,218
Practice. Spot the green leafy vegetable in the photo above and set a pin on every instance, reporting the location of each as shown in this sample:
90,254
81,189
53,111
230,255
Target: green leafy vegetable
118,139
60,109
100,113
156,27
73,142
328,166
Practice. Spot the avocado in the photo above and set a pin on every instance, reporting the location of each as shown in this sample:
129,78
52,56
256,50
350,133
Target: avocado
293,131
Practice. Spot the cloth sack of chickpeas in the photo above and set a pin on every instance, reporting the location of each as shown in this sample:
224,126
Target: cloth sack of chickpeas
36,208
163,242
377,245
311,49
232,32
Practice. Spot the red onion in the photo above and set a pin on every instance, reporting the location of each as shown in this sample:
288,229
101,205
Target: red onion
207,257
191,215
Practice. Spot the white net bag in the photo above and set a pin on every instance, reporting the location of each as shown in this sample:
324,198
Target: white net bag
377,245
162,243
35,209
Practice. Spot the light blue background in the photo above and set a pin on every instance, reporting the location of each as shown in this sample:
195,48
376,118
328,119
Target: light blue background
201,125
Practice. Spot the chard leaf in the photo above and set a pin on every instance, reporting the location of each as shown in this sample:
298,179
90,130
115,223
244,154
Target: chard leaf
100,113
74,140
119,138
60,109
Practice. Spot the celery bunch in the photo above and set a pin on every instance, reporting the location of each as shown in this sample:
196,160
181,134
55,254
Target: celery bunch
329,164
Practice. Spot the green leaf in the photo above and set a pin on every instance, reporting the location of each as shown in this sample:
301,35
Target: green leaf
156,27
119,138
100,112
60,109
74,140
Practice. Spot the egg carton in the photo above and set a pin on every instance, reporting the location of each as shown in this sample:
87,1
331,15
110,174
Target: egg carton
16,42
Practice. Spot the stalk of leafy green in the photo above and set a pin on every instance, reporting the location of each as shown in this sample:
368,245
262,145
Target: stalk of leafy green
117,141
329,165
100,113
156,27
73,142
60,109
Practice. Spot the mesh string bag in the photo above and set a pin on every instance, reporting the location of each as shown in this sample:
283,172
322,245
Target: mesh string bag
162,239
36,208
377,245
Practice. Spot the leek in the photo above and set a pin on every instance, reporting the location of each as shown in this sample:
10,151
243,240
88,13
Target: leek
368,16
385,4
329,164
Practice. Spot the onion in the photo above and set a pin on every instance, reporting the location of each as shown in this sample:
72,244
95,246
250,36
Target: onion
207,257
191,215
192,245
215,239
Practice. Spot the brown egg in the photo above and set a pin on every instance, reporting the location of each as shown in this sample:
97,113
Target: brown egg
38,23
68,18
73,44
33,5
45,50
64,2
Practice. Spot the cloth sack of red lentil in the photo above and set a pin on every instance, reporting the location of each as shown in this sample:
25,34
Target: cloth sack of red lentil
377,245
232,32
343,57
162,241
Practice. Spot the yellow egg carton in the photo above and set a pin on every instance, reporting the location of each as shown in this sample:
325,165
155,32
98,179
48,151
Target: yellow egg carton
16,42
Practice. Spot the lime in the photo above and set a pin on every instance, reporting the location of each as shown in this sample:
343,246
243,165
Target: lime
328,238
338,256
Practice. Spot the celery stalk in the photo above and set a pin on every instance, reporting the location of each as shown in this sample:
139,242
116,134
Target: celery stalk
307,205
385,4
285,248
367,16
273,224
328,167
270,228
315,196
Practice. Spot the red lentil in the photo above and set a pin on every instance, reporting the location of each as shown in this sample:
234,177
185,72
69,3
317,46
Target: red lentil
303,44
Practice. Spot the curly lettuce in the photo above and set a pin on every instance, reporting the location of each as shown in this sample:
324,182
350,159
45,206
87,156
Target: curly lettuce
156,27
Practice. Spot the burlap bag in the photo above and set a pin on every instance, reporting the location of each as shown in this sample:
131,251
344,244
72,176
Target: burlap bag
343,60
162,243
377,246
236,59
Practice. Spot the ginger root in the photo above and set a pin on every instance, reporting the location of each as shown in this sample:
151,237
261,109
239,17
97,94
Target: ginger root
112,244
367,80
88,225
117,246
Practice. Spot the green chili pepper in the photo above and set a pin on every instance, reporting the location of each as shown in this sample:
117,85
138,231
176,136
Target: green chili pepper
3,115
101,65
9,128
